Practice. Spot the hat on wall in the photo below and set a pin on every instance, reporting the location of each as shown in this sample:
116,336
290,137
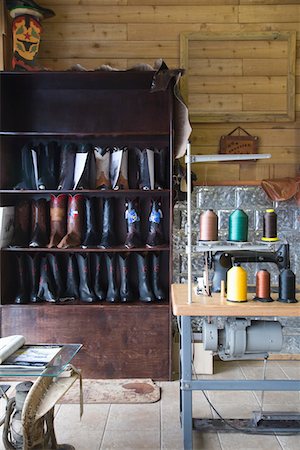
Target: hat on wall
19,7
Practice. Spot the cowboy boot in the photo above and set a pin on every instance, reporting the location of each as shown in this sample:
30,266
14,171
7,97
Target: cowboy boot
85,168
56,274
74,223
21,297
67,166
145,291
21,225
86,293
91,236
112,294
160,164
119,168
145,168
156,286
33,261
58,219
97,271
108,235
133,238
102,157
28,175
39,223
47,291
47,165
155,237
126,294
71,286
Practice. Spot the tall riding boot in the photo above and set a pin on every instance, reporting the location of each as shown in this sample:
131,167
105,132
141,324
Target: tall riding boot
22,296
146,168
67,166
58,219
112,294
133,238
126,294
47,291
28,176
39,223
156,286
97,272
160,163
119,168
102,157
21,225
74,223
155,236
71,286
85,167
56,275
47,164
91,235
108,235
145,291
86,293
33,261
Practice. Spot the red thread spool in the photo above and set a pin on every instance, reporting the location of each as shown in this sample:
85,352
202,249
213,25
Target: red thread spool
263,286
208,226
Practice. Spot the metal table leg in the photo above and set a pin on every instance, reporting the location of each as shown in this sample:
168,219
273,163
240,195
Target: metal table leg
185,381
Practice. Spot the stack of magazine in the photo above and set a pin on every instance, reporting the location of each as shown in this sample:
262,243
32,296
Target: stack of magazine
18,358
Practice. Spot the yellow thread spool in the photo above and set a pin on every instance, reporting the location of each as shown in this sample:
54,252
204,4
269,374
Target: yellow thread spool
237,284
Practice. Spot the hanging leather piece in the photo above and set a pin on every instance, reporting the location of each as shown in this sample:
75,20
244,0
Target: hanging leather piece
74,222
22,223
58,219
102,160
132,216
119,168
282,189
39,221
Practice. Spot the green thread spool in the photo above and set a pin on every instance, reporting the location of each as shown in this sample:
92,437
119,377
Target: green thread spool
238,226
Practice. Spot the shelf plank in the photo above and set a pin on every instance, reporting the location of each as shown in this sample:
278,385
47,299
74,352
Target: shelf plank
88,191
117,249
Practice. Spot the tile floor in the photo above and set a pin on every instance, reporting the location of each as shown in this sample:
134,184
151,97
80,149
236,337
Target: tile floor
156,426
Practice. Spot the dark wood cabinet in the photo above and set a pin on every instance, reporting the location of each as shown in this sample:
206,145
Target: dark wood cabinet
131,339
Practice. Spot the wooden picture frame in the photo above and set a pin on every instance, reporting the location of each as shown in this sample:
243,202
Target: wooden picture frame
218,85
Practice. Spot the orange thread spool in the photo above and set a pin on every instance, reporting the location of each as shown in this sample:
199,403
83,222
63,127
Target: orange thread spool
208,226
263,286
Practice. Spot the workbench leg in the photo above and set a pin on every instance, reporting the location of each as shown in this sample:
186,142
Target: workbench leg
185,382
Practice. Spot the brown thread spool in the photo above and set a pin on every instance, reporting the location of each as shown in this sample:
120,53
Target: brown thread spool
208,226
263,286
270,226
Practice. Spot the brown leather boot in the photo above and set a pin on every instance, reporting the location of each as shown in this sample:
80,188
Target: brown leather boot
21,224
73,237
58,220
39,223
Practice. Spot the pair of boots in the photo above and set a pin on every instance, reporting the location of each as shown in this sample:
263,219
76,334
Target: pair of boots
151,164
149,286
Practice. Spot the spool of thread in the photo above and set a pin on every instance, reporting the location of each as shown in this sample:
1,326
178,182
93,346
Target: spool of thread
238,226
270,226
237,284
287,286
208,226
263,286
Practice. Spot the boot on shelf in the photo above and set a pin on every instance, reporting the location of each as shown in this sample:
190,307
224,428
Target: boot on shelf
85,167
145,168
155,236
33,261
155,275
119,168
22,223
133,238
126,294
98,278
28,172
102,157
145,291
47,291
73,237
58,219
86,293
67,166
39,222
160,164
92,234
55,268
72,280
22,296
47,164
113,294
108,238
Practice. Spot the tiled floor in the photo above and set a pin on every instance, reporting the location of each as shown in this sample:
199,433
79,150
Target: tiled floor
156,426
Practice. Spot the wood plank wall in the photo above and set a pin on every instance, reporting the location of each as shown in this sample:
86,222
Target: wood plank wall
122,33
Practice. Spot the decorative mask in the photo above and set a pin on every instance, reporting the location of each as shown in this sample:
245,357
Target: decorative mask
26,39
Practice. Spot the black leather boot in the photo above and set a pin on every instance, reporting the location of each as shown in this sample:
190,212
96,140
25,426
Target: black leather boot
91,235
39,221
112,294
132,216
67,166
55,268
126,294
87,179
156,270
145,168
47,291
72,280
86,293
98,277
145,291
22,223
22,296
160,164
108,235
33,261
47,162
155,236
28,180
